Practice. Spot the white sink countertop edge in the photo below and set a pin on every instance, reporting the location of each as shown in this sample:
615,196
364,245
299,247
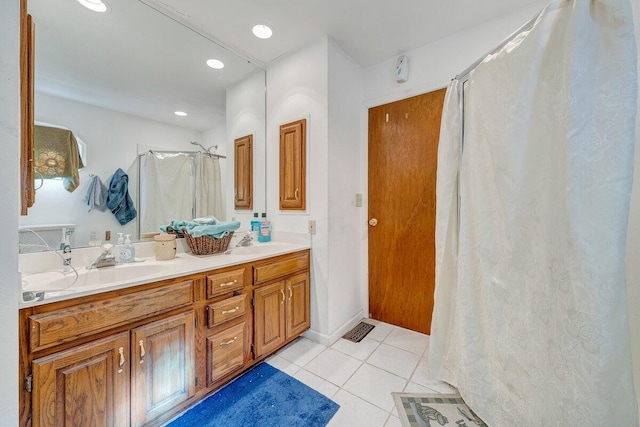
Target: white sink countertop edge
184,264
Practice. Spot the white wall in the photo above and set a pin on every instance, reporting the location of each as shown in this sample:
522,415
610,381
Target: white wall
297,88
344,168
112,140
432,66
245,116
9,208
633,238
322,84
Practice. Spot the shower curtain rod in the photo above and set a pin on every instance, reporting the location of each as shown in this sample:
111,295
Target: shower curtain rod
464,76
218,156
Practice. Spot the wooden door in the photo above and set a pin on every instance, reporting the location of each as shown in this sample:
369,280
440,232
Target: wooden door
293,153
243,172
84,386
298,313
163,371
269,320
403,150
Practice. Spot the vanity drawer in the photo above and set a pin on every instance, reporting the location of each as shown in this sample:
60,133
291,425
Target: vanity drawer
279,268
221,283
70,323
225,351
224,310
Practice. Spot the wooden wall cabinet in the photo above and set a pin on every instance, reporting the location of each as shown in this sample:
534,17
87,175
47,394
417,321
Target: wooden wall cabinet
293,153
243,172
138,356
27,116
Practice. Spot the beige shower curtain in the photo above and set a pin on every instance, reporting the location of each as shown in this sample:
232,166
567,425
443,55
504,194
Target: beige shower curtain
209,187
530,318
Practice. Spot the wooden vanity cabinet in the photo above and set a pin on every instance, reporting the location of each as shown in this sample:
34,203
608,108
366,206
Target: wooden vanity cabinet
282,305
162,366
140,355
82,386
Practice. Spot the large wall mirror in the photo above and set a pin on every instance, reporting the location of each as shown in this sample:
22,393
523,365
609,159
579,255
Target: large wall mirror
116,79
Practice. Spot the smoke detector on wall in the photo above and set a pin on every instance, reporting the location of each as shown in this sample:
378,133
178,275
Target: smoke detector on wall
402,69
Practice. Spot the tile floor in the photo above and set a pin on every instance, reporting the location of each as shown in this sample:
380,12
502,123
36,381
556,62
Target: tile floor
360,377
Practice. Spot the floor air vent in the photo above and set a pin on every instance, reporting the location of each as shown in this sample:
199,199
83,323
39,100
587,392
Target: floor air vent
360,331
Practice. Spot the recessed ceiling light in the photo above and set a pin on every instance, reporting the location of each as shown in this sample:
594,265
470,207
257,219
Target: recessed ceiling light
180,113
216,64
95,5
262,31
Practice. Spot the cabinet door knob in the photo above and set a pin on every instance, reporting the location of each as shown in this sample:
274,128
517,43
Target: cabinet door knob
142,352
373,222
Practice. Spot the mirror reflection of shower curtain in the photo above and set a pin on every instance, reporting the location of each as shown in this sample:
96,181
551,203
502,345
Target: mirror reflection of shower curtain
167,189
208,187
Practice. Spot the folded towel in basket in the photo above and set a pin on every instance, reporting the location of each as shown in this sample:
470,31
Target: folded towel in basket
195,229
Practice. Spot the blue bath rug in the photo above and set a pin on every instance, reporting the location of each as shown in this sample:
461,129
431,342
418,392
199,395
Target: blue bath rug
261,397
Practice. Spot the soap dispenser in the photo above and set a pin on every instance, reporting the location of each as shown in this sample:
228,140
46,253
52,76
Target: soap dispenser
117,250
128,252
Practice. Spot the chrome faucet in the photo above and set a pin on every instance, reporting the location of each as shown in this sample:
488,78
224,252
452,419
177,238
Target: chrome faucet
105,259
245,241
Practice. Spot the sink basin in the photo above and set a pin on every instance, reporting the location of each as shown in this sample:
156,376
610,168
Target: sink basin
58,281
258,249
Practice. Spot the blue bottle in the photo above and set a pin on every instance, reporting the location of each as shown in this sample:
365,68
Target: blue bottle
255,227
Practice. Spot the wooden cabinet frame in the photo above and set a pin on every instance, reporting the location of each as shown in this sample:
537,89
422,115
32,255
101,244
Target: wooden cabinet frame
293,159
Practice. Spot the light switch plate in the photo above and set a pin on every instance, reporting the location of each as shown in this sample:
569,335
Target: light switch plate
312,227
358,200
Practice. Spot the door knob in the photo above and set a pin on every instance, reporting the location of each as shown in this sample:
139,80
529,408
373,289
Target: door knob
373,222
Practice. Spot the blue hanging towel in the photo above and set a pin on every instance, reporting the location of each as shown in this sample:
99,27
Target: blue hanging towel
118,200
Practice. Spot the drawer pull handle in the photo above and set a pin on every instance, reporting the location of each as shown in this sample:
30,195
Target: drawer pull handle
121,364
295,194
233,310
283,297
222,285
142,352
290,293
223,343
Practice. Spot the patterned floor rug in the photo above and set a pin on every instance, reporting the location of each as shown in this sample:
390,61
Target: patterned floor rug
433,410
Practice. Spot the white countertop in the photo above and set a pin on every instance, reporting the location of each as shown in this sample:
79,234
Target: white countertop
59,286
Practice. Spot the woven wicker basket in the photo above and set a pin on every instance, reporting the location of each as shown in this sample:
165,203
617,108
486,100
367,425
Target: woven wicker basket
207,245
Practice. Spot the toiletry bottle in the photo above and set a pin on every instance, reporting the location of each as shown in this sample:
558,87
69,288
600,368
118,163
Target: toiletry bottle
128,251
255,227
117,250
265,230
64,235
